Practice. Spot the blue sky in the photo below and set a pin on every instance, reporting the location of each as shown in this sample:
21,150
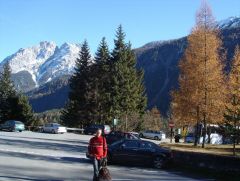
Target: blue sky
24,23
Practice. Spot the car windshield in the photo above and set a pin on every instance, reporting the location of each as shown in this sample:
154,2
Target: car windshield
131,136
56,124
18,122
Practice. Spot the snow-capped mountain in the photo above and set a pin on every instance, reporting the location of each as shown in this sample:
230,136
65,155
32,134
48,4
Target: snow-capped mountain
42,62
231,22
61,63
30,59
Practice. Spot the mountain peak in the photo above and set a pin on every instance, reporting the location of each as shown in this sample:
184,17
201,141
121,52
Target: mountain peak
67,45
47,44
43,62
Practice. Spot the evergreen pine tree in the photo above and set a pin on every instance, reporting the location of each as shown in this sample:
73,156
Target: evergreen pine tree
25,110
20,109
127,94
6,91
102,82
117,75
77,112
13,105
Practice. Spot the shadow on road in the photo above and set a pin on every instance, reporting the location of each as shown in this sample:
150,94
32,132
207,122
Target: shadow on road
48,139
43,145
24,178
29,156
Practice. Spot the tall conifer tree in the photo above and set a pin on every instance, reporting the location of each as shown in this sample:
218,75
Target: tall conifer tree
13,105
102,82
128,94
7,91
77,111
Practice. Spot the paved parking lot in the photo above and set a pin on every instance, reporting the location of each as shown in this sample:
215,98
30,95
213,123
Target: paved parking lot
40,156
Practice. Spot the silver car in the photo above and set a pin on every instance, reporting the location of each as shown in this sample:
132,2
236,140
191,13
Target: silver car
157,135
54,128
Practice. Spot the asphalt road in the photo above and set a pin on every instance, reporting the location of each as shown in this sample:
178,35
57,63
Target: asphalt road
40,156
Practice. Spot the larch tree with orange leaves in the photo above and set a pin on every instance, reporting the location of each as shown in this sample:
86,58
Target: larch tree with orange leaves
232,114
201,93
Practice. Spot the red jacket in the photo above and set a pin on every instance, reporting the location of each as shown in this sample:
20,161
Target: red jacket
98,147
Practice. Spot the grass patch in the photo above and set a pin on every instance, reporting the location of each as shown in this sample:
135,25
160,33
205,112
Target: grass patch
225,150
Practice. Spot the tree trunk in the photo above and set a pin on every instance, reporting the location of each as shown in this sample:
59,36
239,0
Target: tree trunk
197,129
196,134
204,132
238,136
234,146
234,138
126,122
209,133
205,86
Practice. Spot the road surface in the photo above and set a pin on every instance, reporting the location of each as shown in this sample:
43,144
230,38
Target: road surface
56,157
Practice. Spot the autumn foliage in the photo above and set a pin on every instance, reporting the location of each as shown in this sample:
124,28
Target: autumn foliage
232,114
201,93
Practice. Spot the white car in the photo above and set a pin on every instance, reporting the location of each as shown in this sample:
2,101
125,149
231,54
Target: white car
157,135
54,128
214,139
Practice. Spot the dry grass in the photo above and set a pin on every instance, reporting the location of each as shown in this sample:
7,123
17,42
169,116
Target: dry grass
210,149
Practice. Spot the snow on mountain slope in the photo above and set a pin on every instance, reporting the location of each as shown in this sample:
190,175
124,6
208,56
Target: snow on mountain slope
62,63
231,22
44,61
30,59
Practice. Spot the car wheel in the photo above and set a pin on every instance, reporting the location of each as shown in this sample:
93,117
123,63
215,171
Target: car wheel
53,132
158,162
141,135
156,138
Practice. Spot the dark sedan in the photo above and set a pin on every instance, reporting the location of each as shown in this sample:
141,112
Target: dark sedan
12,125
139,152
114,136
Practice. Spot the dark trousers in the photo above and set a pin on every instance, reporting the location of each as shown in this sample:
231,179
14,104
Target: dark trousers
96,168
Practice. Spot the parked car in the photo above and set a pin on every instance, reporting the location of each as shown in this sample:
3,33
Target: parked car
135,134
190,138
215,138
157,135
91,129
53,128
114,136
139,152
13,125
